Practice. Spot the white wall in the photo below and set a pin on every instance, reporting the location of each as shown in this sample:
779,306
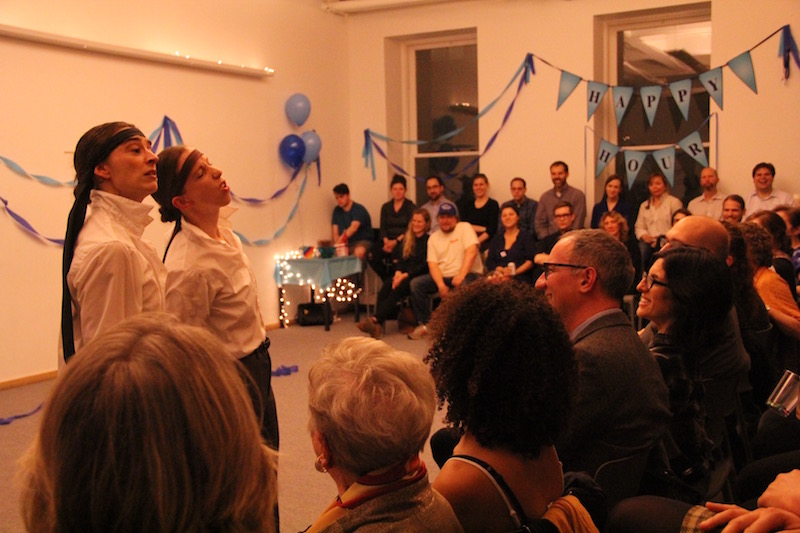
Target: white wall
49,97
752,127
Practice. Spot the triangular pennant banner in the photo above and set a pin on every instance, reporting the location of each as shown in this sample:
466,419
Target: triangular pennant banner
605,154
742,66
682,94
692,144
594,95
650,97
633,164
788,49
712,81
665,159
568,83
622,97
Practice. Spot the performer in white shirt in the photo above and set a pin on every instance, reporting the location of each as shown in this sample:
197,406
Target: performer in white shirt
109,272
210,282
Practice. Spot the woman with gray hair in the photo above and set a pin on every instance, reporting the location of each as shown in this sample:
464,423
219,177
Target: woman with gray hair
370,410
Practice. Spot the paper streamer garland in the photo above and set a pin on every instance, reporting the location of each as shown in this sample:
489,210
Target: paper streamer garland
279,231
25,225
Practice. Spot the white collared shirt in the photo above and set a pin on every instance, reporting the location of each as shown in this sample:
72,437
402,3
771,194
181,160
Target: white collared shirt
755,203
711,208
211,284
115,274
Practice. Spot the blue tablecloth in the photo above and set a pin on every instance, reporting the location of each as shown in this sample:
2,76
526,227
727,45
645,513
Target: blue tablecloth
319,272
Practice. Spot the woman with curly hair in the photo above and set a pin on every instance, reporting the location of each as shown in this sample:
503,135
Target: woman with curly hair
504,365
617,226
781,246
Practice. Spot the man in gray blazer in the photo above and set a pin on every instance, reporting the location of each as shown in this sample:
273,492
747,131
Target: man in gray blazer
622,403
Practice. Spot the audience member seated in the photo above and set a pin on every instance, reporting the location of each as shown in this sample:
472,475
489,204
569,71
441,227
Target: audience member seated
410,261
781,247
546,223
725,364
621,404
680,214
481,211
505,368
655,217
791,216
686,294
149,428
775,293
775,510
526,207
764,196
453,261
613,201
564,216
709,203
754,322
395,216
617,226
352,225
513,246
435,189
733,209
370,412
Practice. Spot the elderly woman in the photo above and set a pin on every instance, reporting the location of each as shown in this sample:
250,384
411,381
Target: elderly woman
513,246
505,367
149,428
370,412
686,294
655,216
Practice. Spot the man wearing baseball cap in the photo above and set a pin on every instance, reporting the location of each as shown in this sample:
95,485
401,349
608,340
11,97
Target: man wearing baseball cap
452,260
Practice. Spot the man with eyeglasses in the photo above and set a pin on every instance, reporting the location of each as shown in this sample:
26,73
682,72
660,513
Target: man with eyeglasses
564,216
622,403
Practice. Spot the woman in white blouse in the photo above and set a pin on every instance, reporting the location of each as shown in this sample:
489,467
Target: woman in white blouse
655,217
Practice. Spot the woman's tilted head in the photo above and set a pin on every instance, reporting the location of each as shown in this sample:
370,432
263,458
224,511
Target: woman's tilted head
504,365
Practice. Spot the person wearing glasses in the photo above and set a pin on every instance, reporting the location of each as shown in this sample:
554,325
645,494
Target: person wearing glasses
621,405
564,215
686,294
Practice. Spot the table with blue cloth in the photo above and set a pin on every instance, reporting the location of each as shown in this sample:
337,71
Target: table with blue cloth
318,272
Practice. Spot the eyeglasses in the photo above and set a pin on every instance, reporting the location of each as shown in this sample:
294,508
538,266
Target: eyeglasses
564,215
649,281
549,268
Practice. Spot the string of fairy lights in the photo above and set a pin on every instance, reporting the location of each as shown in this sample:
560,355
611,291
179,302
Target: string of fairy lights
342,290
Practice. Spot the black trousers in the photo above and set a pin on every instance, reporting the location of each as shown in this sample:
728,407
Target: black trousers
259,366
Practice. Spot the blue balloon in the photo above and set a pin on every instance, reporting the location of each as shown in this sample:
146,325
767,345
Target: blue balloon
292,150
298,108
313,146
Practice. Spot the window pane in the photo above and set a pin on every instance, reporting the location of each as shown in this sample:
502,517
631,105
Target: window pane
447,97
437,166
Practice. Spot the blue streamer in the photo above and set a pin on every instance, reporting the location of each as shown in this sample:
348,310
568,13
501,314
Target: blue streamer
24,224
279,231
285,370
167,129
8,420
14,167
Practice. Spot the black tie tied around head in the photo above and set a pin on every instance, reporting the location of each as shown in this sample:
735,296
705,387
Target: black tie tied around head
77,215
175,189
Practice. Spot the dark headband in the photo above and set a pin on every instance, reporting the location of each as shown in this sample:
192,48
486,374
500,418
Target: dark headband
77,215
175,188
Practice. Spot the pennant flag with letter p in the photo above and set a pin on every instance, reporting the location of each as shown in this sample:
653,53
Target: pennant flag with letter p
682,94
594,95
650,97
742,66
633,164
665,159
565,87
605,154
712,81
692,144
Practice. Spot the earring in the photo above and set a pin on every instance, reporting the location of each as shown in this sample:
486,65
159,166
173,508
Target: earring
321,464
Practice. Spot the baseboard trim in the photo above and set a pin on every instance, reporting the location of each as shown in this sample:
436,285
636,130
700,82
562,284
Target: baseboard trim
27,380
